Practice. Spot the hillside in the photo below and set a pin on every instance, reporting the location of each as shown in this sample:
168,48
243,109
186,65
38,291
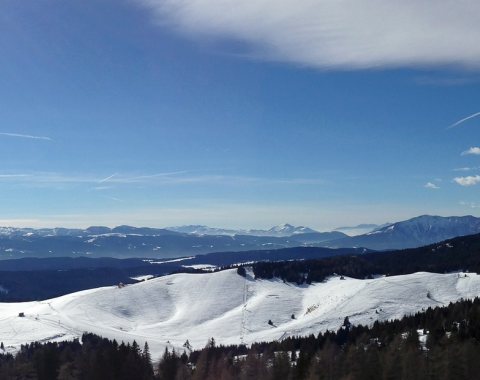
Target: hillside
168,310
20,278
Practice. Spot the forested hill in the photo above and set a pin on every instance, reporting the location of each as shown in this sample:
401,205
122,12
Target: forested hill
462,253
438,343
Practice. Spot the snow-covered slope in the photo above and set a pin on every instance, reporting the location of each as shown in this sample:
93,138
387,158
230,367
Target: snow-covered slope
167,311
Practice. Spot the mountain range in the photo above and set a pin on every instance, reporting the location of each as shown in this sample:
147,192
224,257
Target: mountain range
140,242
127,241
282,230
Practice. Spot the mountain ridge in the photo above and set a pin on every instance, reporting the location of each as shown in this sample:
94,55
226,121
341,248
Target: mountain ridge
128,241
415,232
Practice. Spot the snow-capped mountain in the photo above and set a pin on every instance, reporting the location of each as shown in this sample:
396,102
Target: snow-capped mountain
166,311
128,241
197,229
289,230
282,230
415,232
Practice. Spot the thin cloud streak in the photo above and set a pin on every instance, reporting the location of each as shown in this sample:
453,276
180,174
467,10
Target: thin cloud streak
157,175
461,121
445,81
113,198
158,179
108,178
19,135
9,176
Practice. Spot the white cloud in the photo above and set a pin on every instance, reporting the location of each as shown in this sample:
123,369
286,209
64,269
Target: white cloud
473,150
431,185
467,181
348,34
26,136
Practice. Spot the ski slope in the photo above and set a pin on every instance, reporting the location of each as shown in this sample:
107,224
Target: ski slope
167,311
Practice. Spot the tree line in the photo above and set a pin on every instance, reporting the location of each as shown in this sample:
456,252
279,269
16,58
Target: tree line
438,343
462,253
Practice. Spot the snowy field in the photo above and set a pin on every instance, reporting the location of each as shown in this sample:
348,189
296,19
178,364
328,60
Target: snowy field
167,311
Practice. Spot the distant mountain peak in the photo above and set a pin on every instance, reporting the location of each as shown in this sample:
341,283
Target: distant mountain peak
287,229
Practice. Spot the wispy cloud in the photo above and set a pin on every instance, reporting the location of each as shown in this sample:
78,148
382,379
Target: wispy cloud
445,81
106,179
101,188
14,176
183,177
461,121
22,136
468,180
153,176
475,150
157,179
464,169
470,204
431,185
113,198
348,34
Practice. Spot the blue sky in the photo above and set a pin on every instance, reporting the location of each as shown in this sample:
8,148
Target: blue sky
159,112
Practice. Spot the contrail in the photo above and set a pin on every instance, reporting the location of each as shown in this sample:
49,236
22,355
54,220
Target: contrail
107,178
463,120
167,174
25,136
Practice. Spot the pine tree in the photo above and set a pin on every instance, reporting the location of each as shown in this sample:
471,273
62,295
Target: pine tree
147,362
167,368
146,354
281,366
